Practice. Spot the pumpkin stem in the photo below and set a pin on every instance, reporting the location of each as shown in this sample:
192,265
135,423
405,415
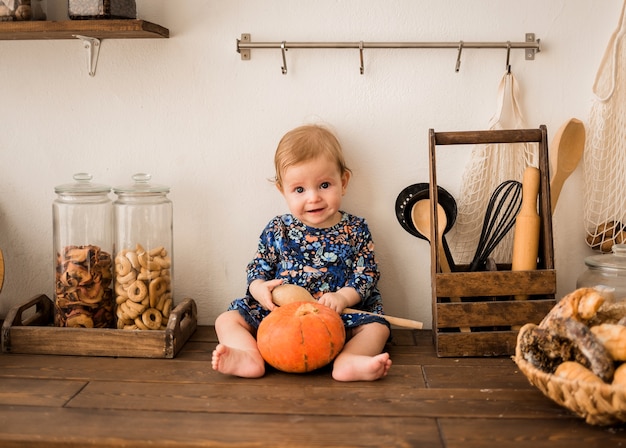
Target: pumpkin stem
306,308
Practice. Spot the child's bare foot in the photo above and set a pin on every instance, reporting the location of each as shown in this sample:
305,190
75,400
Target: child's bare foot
236,362
361,368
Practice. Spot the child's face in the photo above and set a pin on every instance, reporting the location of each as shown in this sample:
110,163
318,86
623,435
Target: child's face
313,190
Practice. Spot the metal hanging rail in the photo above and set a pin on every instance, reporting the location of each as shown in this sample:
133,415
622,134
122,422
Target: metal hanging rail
245,45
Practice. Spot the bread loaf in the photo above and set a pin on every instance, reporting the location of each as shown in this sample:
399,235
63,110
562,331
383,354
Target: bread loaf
571,370
619,378
613,337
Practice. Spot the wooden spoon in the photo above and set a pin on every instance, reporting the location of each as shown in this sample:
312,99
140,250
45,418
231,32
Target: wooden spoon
421,220
567,149
288,293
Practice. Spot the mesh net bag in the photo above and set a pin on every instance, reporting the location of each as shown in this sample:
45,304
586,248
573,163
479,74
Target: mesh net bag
489,166
604,159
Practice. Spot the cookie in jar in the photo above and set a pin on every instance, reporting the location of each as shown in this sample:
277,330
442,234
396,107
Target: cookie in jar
143,269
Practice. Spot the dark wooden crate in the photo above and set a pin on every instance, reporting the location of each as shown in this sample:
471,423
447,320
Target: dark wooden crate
29,329
488,307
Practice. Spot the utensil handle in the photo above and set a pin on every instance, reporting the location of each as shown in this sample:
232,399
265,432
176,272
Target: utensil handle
526,237
398,321
530,192
289,293
556,185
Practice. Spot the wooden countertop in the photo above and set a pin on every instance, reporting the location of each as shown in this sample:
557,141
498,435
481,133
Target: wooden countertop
427,401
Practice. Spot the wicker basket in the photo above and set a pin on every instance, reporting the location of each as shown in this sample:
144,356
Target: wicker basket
598,404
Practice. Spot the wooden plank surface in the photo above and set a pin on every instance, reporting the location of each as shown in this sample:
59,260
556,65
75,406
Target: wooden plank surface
483,343
516,433
77,401
33,392
496,283
141,428
67,29
492,313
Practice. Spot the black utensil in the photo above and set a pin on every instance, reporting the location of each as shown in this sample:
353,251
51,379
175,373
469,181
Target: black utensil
502,209
413,193
410,195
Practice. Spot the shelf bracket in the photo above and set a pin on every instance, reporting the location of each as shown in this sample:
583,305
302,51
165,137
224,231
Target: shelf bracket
92,46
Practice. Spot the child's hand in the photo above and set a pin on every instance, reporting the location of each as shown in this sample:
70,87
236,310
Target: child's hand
335,301
261,290
344,298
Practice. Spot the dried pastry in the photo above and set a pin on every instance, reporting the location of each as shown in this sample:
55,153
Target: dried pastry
571,370
545,349
581,305
619,378
598,359
609,313
613,337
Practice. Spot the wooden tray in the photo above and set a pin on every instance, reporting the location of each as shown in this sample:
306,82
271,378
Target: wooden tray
488,307
29,329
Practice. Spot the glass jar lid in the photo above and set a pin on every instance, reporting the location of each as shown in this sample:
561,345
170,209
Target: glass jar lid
615,260
82,185
142,185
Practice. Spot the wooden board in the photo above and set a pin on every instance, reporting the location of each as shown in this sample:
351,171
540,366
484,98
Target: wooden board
36,335
476,284
425,401
68,29
492,313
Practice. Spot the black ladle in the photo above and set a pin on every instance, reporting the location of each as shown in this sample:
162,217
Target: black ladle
410,195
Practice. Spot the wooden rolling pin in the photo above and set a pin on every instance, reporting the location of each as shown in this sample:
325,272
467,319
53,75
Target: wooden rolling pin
526,236
288,293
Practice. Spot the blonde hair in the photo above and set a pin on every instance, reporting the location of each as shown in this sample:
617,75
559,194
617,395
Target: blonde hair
305,143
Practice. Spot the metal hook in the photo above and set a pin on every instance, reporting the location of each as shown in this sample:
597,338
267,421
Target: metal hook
283,69
508,56
458,57
361,56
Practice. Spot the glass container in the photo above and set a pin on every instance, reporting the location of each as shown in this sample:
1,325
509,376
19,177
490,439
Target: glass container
101,9
143,275
23,10
40,9
607,271
82,216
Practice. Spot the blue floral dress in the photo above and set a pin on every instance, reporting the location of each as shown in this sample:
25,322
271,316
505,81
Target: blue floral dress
320,260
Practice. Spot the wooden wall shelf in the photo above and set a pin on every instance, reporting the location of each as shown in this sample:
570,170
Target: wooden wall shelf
91,32
68,29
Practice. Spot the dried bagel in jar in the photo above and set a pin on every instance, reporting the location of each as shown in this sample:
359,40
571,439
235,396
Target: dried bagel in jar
143,288
144,293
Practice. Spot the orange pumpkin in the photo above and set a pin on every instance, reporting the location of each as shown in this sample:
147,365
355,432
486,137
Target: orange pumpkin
300,337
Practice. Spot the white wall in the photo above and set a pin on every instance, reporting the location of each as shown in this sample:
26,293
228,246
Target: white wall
189,111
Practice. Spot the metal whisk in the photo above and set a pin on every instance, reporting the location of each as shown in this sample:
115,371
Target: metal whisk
504,205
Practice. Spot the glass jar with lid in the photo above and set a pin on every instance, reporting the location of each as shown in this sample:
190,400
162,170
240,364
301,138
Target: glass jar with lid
143,275
607,271
82,216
